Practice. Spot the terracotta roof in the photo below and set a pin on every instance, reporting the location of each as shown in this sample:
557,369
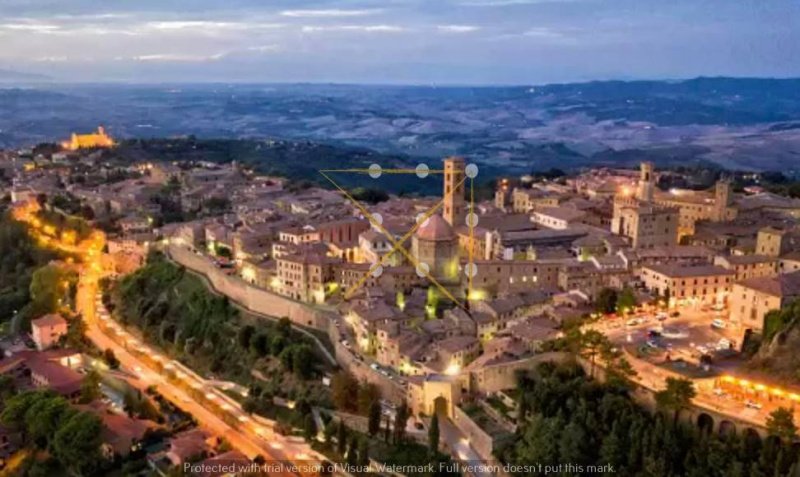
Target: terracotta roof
53,319
228,460
689,271
436,229
784,285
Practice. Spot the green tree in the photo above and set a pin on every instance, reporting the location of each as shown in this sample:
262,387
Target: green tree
284,327
76,444
341,439
309,428
676,397
780,423
244,336
110,358
259,344
626,301
433,435
344,391
606,301
8,388
401,417
374,418
302,361
13,414
368,393
593,343
328,432
352,451
363,452
43,418
90,387
49,289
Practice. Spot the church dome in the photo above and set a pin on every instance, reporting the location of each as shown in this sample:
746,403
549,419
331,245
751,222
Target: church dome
436,229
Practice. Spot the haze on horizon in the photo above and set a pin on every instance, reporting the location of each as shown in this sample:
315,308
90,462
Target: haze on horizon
398,41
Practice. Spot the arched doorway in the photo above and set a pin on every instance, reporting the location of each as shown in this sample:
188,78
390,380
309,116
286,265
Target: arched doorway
441,407
706,423
727,428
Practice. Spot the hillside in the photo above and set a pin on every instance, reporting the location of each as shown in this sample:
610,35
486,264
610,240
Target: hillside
739,123
175,311
297,160
777,353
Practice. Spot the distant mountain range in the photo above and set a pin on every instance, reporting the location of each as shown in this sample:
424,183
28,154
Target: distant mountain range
734,123
9,76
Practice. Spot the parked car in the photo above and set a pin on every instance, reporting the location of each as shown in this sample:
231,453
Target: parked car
752,404
718,323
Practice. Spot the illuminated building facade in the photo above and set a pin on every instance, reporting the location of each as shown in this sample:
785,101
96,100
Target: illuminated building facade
87,141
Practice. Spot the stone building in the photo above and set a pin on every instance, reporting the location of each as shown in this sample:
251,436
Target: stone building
752,299
641,219
435,244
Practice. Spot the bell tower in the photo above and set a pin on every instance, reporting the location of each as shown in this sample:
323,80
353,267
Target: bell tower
647,182
454,204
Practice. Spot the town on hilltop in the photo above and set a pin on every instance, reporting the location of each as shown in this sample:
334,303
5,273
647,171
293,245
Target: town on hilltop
439,302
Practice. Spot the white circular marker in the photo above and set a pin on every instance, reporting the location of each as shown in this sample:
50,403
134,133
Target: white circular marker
472,219
375,171
422,171
423,269
378,271
471,270
471,171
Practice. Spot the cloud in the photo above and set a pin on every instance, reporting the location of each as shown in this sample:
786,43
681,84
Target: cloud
263,48
541,34
192,25
30,26
510,3
328,13
457,28
52,59
178,58
355,28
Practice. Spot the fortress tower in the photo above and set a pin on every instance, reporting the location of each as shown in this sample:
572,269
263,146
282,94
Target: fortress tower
454,204
722,200
647,182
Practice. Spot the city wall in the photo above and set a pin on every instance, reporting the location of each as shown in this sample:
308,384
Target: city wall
268,303
250,297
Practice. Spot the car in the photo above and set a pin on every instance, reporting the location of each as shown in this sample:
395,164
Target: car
717,323
634,322
752,404
375,366
661,316
724,343
702,349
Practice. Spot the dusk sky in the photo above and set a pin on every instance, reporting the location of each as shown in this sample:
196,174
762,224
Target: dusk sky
399,41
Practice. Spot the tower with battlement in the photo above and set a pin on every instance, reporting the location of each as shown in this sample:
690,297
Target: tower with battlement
455,210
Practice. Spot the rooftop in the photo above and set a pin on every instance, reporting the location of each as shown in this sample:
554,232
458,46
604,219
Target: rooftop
784,285
435,228
678,271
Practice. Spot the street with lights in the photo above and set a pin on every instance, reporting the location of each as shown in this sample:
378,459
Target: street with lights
696,343
213,409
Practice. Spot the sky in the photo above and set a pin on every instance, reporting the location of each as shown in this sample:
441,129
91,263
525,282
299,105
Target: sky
476,42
